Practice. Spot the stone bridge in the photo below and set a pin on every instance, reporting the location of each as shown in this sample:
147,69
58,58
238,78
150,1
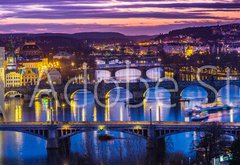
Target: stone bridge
137,89
57,132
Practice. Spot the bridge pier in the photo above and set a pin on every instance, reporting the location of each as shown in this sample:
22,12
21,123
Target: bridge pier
52,143
52,140
151,138
65,144
175,96
211,97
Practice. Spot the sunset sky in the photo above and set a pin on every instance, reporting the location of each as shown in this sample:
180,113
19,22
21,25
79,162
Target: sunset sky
131,17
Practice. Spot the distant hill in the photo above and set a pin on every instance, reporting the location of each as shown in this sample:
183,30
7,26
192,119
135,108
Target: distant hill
53,42
206,32
90,36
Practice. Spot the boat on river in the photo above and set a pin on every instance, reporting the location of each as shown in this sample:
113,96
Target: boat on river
210,108
105,137
200,116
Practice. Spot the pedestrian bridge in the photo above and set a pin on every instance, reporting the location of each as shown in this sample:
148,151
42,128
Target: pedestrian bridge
55,132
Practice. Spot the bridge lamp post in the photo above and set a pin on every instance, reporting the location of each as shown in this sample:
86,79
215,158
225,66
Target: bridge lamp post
159,111
63,109
150,115
51,109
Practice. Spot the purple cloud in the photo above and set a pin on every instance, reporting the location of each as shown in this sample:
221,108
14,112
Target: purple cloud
105,9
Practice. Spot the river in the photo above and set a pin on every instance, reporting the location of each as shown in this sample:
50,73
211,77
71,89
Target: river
85,148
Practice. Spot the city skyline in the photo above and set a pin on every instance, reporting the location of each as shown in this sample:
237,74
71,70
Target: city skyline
124,16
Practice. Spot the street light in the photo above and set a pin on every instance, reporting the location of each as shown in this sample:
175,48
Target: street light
159,112
51,109
150,115
63,109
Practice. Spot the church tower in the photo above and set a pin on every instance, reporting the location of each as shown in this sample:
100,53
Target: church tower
11,59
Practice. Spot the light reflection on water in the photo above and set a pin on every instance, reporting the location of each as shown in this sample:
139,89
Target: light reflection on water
24,149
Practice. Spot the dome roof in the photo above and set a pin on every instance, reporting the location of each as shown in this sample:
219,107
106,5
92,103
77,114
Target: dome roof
30,48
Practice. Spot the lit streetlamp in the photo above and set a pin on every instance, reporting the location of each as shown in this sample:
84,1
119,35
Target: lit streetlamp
51,109
150,115
63,109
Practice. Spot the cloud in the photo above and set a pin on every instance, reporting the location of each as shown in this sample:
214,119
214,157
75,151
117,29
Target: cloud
56,10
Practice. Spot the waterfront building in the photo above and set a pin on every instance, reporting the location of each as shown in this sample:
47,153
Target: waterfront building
29,76
2,67
12,78
2,78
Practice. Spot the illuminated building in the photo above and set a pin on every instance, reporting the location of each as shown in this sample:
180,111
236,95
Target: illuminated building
2,69
12,78
38,64
189,51
11,60
2,78
29,76
174,49
55,75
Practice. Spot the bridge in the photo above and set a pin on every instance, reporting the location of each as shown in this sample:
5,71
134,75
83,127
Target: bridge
56,132
138,89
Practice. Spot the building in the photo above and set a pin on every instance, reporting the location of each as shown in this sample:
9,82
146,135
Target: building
55,76
174,49
2,67
29,76
62,55
37,63
11,60
30,50
189,51
13,78
12,75
2,78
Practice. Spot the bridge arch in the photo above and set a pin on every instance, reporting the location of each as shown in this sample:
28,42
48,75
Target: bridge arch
43,92
154,73
43,134
229,94
157,93
120,92
102,75
128,74
233,90
12,94
194,92
80,91
134,132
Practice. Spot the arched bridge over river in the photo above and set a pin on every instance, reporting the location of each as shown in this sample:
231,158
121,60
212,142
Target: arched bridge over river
136,88
57,132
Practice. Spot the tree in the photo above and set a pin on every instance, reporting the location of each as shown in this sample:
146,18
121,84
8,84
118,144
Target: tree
210,145
235,150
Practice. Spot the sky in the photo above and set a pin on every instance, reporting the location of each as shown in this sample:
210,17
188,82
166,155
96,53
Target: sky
130,17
